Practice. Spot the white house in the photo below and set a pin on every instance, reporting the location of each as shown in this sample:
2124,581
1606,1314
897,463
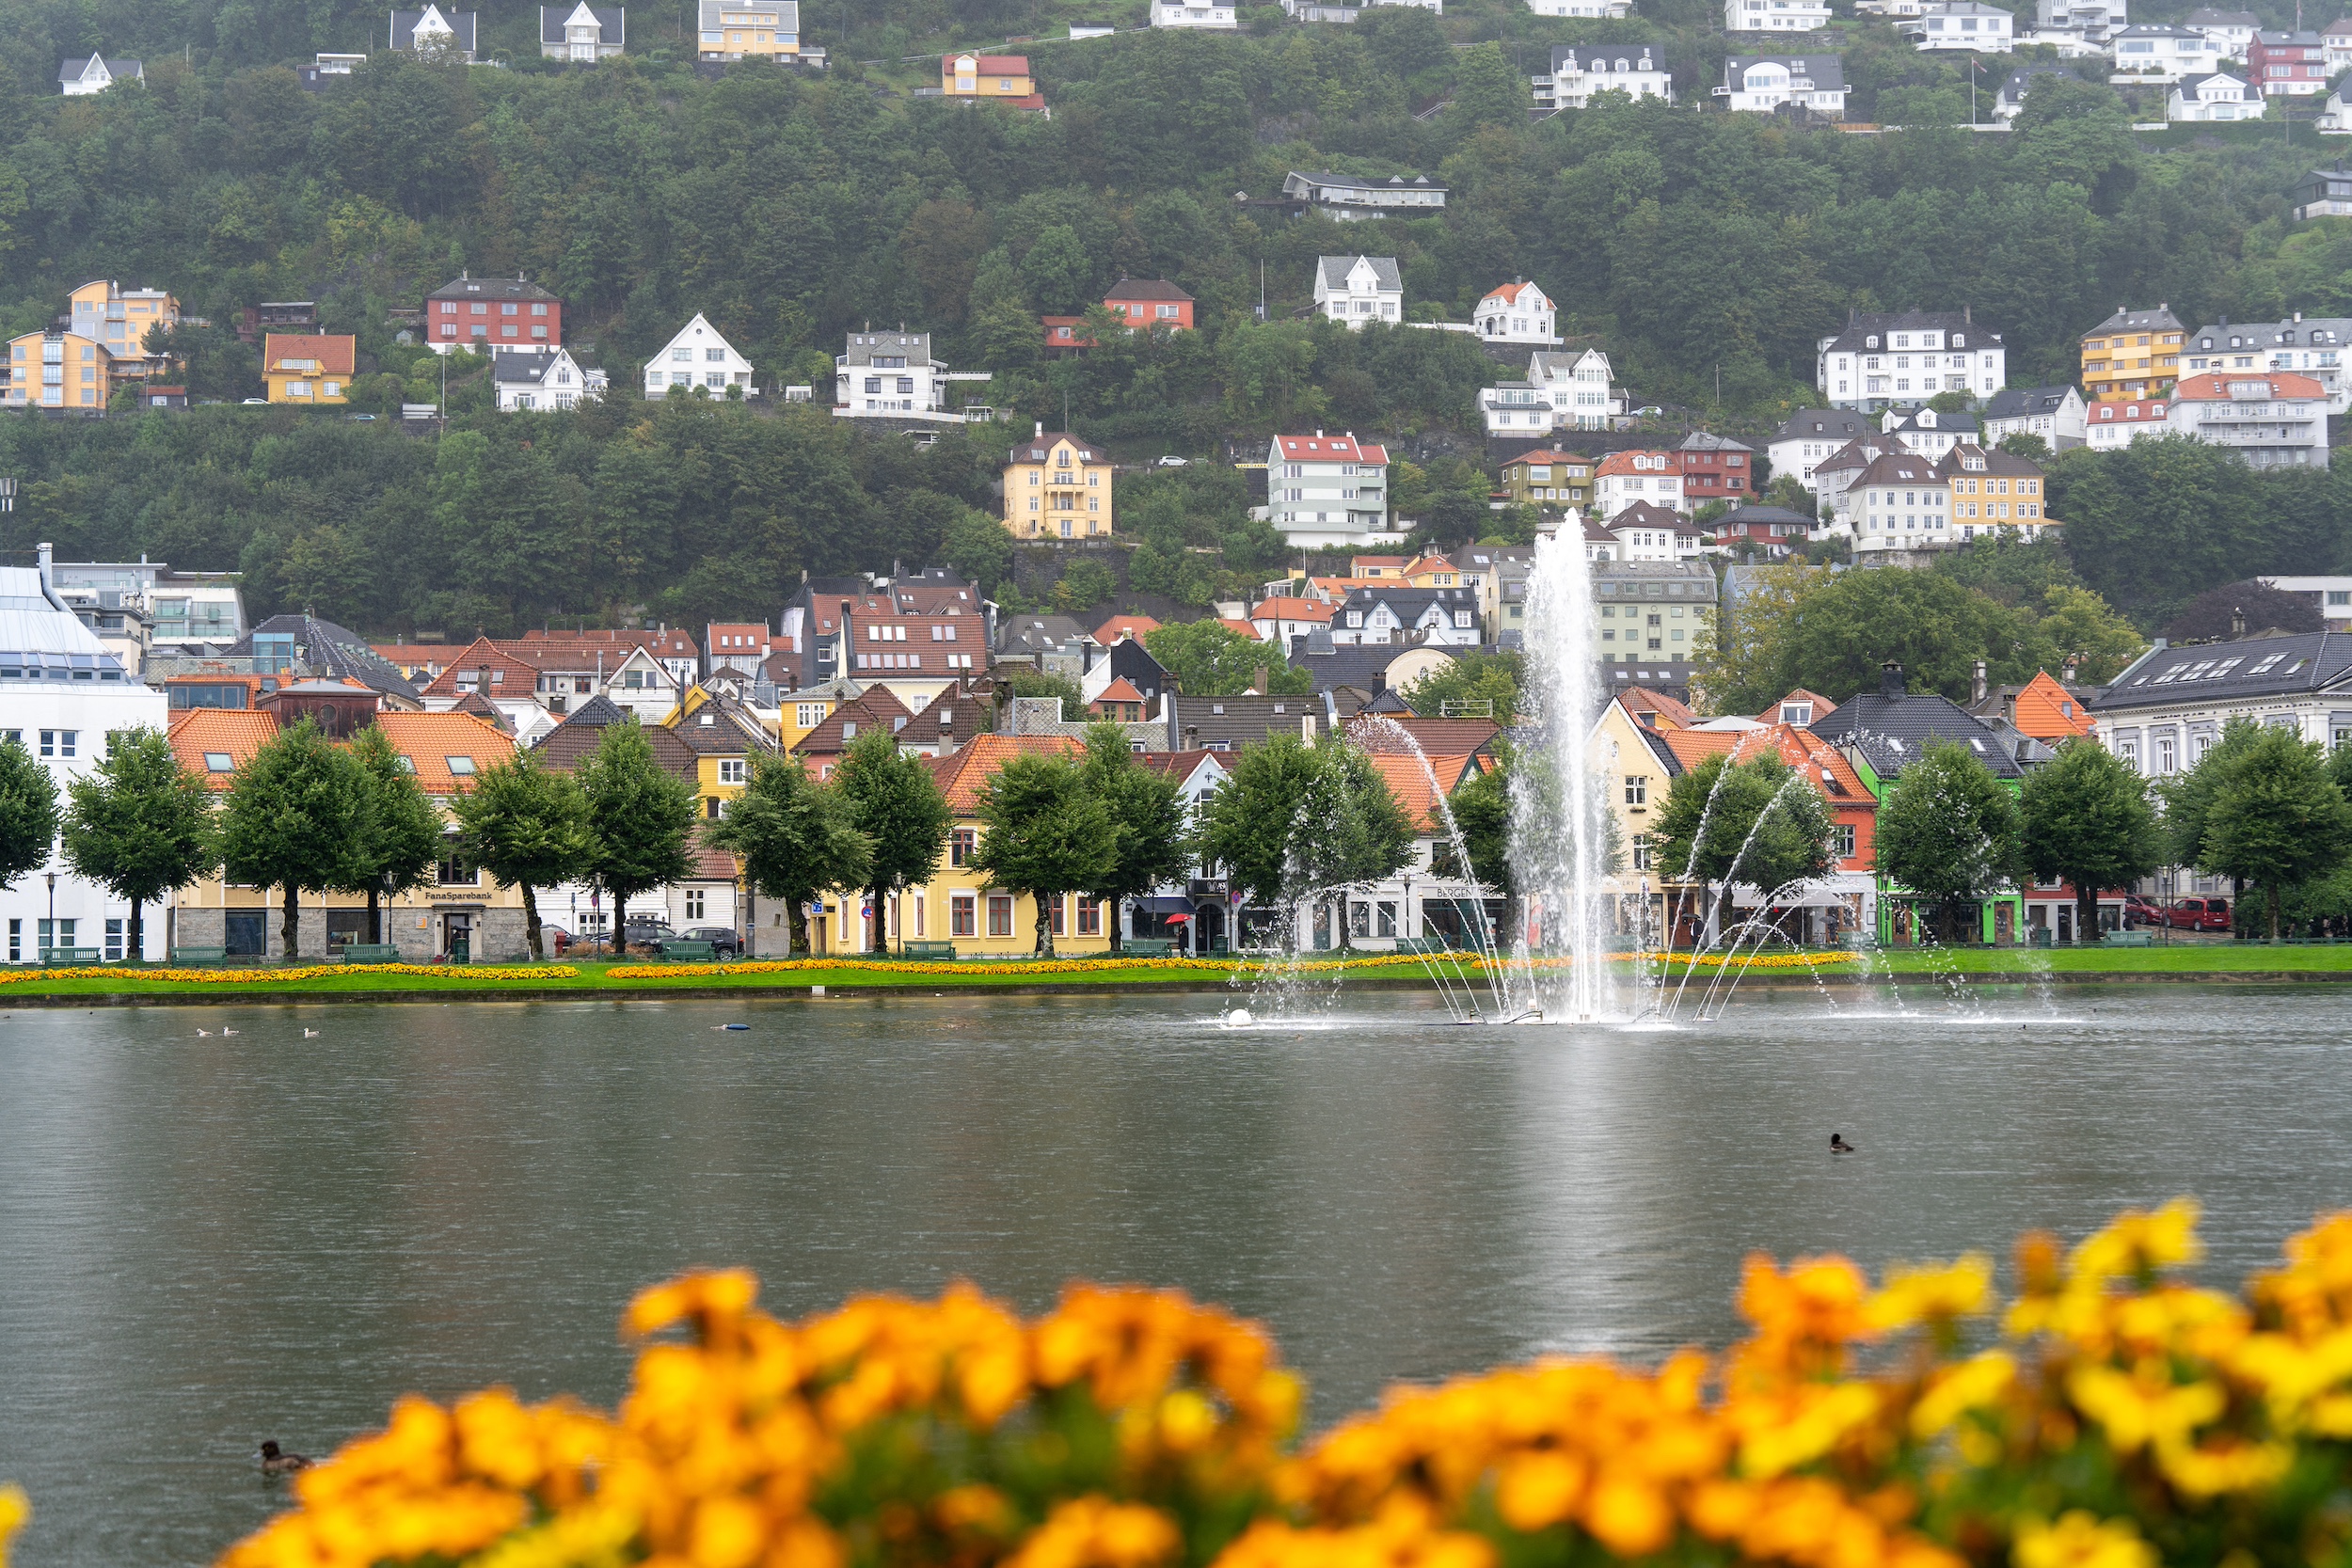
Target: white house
582,33
2112,422
1439,617
1581,389
2336,39
1174,13
1811,435
2148,52
700,359
2053,413
1580,71
1357,291
1775,16
61,695
1516,313
1646,531
2093,20
892,375
2169,707
1614,10
2279,420
543,378
2217,95
2335,116
1900,502
2308,345
1329,490
1894,361
2009,102
433,28
1928,431
1518,409
1625,478
1348,198
2231,32
1759,84
646,686
79,78
1962,25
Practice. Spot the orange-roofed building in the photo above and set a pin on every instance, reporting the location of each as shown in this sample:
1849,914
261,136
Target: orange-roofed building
307,370
1430,897
456,909
1376,568
994,76
1277,621
2045,708
1655,710
1799,707
1243,627
1120,701
1433,571
1119,626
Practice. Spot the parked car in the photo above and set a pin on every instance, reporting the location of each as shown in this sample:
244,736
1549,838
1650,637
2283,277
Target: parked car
1172,461
2199,914
2140,911
722,938
645,930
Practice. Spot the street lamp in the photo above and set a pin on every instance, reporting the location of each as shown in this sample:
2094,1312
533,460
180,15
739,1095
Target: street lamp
52,940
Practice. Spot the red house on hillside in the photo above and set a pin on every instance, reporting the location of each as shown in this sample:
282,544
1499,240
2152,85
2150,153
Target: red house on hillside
492,313
1150,302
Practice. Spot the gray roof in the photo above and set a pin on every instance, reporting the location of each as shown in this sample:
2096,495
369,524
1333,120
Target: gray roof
2014,87
1835,425
2305,39
71,70
1229,723
915,347
1665,580
2190,83
1336,268
1361,665
1038,448
333,650
1942,423
1369,182
2232,671
466,286
790,18
524,367
1707,440
2332,331
1600,57
1037,634
1891,732
1744,515
2016,402
1409,604
1860,327
1827,72
613,19
404,27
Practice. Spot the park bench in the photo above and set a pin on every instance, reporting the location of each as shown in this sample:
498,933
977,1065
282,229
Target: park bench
2128,938
199,955
56,955
370,953
930,952
689,952
1148,947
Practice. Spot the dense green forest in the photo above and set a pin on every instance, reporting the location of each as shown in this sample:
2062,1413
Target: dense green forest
791,207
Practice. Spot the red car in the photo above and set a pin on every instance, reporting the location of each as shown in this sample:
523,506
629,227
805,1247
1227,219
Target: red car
2199,914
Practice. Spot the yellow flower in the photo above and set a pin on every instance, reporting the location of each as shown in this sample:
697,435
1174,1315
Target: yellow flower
15,1508
1935,1295
2137,1411
2078,1539
2135,1243
1955,1390
1095,1532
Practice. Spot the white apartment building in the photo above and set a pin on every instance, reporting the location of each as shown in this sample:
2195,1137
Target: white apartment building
2215,96
2093,20
2331,596
1518,409
1900,502
1624,479
1348,197
2231,32
1775,16
2312,346
2148,51
1582,388
1962,25
2054,413
1580,71
1357,291
892,375
2165,711
1329,490
2111,423
1614,10
1811,435
1518,313
1894,361
1759,84
699,359
61,695
2278,421
1173,13
147,603
1928,431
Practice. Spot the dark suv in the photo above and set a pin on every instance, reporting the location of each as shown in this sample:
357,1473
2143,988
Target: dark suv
722,938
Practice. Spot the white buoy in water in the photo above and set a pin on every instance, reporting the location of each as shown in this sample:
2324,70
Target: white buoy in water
1238,1019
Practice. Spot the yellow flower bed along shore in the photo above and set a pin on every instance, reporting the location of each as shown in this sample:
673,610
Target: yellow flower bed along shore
2109,1416
276,976
1096,962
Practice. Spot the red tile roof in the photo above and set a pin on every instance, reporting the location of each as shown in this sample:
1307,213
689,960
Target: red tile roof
333,351
961,775
428,741
1120,690
2047,711
1409,782
1797,747
233,733
521,678
1330,449
1622,463
1144,288
1117,626
1290,609
2214,386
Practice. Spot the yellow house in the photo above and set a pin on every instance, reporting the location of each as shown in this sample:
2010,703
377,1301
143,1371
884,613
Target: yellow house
985,76
749,29
308,368
1555,479
724,737
118,318
1628,751
2132,355
1057,486
59,370
960,904
1433,571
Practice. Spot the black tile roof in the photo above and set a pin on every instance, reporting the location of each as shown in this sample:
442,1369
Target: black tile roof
1891,732
2252,667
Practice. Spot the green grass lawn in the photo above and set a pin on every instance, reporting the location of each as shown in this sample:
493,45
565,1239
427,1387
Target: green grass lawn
2217,959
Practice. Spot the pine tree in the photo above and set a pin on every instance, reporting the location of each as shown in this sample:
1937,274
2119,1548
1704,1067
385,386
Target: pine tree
527,826
404,841
2086,820
640,815
895,803
796,837
1146,817
1046,835
298,816
139,826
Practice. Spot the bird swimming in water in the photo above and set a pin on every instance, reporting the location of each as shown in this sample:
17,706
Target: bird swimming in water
204,1033
226,1031
309,1033
1837,1145
275,1461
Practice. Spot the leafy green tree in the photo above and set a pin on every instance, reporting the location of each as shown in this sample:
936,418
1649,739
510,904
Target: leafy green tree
1047,834
797,838
897,805
2086,819
28,812
1149,842
2188,796
1758,821
297,817
1248,826
138,826
1019,680
527,826
1486,90
1352,831
1471,676
1085,584
1948,831
405,838
1481,809
641,818
2277,819
1207,660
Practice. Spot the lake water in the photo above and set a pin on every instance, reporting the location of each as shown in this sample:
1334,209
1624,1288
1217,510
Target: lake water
205,1242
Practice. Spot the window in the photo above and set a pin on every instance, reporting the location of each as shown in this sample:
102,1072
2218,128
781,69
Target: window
963,843
64,934
694,903
961,916
114,940
1636,790
16,941
462,766
1000,914
58,743
1842,837
456,873
731,770
1640,852
1061,903
1090,918
2167,755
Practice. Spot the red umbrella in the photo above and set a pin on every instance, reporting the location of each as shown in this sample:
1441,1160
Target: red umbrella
1178,919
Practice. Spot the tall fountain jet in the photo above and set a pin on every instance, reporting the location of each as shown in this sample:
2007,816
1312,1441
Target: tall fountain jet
1559,837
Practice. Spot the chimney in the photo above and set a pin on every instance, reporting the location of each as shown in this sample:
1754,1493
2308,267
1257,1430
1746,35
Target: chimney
1890,680
2237,619
1307,728
2067,678
1041,430
45,554
1192,737
1975,686
1262,683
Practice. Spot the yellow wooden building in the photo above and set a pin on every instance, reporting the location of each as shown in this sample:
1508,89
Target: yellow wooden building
986,76
308,368
59,370
1057,486
2132,355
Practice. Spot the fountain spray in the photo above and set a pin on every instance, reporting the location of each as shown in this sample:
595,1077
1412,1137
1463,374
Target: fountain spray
1556,830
